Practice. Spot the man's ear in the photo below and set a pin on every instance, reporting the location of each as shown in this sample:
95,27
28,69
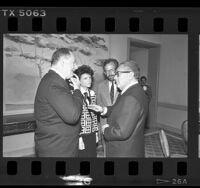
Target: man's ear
62,61
133,74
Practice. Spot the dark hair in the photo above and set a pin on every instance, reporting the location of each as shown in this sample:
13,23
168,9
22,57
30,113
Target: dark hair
84,69
143,77
59,53
107,61
133,66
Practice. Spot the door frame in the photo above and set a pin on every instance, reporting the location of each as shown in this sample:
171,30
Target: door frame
148,45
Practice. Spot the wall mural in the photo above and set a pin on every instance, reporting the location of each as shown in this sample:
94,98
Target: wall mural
27,58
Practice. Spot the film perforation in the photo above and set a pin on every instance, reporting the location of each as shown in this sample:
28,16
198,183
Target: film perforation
157,168
61,24
109,168
134,24
110,24
158,24
37,24
36,168
60,167
133,168
182,24
12,24
85,24
85,168
182,168
12,168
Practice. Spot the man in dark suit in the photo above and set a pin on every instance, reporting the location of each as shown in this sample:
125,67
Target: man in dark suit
124,132
57,110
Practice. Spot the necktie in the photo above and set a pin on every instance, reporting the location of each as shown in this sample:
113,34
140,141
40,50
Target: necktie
112,92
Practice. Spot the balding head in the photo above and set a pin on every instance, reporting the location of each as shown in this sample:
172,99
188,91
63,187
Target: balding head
63,61
127,72
132,66
58,54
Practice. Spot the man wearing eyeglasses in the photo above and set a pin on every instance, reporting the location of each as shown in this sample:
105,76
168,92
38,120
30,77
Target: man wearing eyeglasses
124,131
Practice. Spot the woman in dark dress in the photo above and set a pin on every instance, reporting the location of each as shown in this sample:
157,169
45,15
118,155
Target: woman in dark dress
89,127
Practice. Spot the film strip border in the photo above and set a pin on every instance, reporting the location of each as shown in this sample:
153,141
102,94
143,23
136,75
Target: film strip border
110,21
91,20
87,24
112,171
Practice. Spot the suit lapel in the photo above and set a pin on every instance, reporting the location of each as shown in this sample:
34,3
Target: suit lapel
116,95
106,92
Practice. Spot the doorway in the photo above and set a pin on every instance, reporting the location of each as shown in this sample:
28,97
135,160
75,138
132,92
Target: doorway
147,55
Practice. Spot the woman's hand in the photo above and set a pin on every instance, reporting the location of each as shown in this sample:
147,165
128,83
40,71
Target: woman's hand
96,108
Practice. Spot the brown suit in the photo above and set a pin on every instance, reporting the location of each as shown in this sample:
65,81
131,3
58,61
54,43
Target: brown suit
57,114
103,99
125,136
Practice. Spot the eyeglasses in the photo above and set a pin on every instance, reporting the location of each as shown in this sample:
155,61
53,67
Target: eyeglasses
117,72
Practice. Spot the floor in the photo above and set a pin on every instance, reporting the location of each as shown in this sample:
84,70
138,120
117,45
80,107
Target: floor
154,148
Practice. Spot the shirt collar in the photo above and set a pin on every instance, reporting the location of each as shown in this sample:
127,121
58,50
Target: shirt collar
128,86
59,73
83,90
110,84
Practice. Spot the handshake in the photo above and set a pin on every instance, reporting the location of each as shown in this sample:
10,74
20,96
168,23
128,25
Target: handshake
100,109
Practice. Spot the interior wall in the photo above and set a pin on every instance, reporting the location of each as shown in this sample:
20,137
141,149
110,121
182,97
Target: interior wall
172,75
19,145
140,55
173,83
119,45
173,69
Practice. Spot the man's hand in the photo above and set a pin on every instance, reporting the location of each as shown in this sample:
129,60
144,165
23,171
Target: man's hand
103,127
96,108
75,82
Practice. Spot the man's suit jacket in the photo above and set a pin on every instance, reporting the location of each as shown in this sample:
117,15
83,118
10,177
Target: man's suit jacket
103,97
125,136
57,114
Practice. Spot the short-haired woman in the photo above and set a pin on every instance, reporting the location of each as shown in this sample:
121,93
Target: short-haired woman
89,126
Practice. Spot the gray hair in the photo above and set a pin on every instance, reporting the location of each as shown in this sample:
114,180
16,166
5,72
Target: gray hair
133,66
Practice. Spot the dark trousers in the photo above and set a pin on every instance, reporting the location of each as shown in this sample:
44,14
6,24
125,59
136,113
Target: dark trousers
90,145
